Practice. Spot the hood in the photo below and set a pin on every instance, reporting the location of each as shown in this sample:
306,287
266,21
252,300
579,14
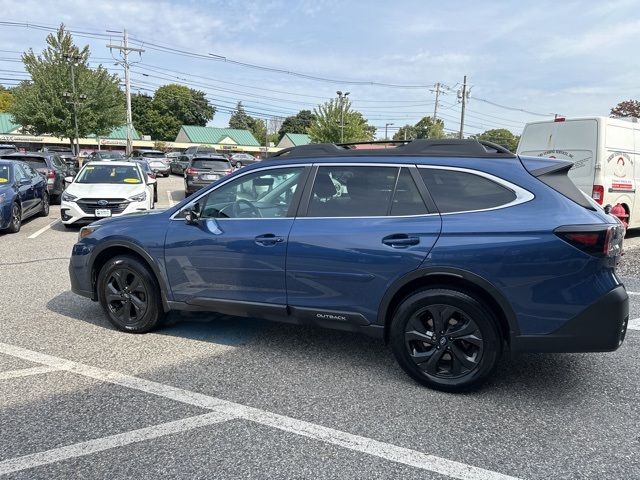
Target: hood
105,190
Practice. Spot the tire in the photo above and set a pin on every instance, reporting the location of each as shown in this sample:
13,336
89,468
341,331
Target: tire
459,360
16,219
121,280
238,164
155,193
45,205
55,199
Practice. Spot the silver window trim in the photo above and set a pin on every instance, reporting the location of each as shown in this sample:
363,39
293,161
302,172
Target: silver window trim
522,195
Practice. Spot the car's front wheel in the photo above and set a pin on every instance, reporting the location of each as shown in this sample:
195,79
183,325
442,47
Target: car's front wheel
445,339
129,294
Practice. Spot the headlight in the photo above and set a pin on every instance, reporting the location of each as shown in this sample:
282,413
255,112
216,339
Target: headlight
141,197
86,231
67,197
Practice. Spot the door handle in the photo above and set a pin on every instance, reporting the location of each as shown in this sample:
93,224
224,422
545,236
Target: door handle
268,240
400,240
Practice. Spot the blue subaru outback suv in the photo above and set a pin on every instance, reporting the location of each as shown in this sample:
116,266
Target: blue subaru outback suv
449,250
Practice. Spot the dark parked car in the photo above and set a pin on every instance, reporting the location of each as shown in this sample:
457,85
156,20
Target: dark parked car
179,164
6,149
51,166
199,150
105,155
203,171
239,160
157,160
67,156
23,193
451,251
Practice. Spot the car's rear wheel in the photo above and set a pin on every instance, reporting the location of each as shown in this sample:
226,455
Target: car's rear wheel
16,219
56,199
45,205
130,295
445,339
155,192
238,164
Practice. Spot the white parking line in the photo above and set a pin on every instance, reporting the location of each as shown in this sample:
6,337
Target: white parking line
24,372
633,293
340,438
44,229
634,324
112,441
171,201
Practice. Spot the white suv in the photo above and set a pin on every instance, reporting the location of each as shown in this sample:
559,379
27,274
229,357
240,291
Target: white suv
105,189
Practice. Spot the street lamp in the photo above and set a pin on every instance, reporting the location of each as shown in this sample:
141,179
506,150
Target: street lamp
386,125
72,97
341,98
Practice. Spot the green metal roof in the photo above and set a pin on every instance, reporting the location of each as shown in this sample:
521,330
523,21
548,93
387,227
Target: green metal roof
120,133
299,138
213,135
6,124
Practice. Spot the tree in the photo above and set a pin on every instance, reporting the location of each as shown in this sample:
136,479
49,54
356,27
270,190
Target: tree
501,136
326,128
298,123
40,105
627,108
6,99
171,106
428,128
407,132
240,119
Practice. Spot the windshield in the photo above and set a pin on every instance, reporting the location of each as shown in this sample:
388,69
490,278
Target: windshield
121,174
5,174
209,164
153,154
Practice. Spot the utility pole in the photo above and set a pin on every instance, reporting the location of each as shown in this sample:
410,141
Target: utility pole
435,108
386,125
73,99
341,98
462,95
266,137
124,51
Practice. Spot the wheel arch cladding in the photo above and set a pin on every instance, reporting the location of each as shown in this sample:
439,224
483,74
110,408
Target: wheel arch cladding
476,287
111,251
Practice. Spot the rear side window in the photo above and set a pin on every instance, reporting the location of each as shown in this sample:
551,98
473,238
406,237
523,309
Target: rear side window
352,191
35,162
407,199
455,191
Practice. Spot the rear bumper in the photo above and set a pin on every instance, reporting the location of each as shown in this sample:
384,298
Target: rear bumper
601,327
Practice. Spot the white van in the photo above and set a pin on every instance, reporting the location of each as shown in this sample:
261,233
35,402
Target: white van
603,152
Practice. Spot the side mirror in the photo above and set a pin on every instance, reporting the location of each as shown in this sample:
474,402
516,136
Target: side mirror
25,181
191,216
69,179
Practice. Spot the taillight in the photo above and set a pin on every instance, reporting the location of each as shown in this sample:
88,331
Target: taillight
190,171
598,193
151,174
51,174
599,241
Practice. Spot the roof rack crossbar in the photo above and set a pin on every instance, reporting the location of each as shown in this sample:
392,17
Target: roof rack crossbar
428,147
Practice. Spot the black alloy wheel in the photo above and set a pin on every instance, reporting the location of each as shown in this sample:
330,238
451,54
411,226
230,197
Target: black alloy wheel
16,219
45,205
129,294
445,339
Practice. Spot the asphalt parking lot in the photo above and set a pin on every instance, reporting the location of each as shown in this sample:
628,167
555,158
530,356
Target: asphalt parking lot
219,397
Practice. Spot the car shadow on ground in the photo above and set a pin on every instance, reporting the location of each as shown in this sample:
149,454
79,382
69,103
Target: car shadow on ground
537,376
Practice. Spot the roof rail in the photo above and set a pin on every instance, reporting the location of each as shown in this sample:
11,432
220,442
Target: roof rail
421,147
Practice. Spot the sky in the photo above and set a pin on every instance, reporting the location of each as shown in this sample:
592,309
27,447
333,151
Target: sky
524,60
